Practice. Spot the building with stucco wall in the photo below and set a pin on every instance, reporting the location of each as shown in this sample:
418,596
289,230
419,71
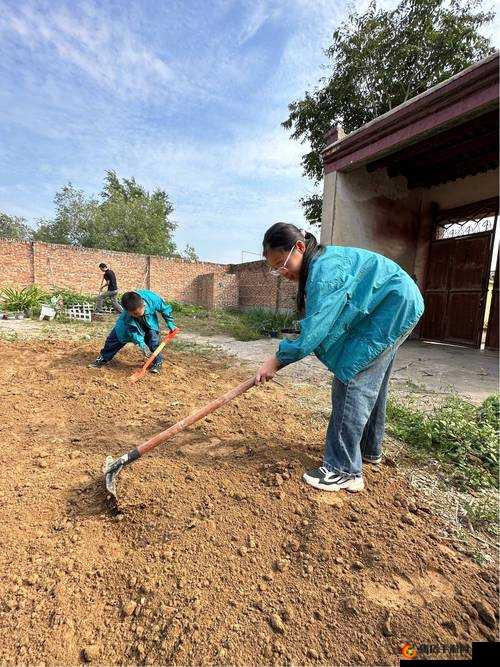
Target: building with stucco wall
420,185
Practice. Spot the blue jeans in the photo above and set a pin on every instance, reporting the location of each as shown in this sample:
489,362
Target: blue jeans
357,423
113,345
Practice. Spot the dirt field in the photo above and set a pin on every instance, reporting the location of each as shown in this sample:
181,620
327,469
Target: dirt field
220,554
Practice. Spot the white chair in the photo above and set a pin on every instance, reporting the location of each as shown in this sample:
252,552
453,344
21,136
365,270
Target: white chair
47,312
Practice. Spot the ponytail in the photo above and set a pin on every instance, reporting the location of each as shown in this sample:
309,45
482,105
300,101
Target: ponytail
283,236
313,248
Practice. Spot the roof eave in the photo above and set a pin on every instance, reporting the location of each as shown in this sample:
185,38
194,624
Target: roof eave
468,93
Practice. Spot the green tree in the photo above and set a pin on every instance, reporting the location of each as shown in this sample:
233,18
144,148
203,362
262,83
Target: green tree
379,60
125,218
135,220
190,254
76,220
14,227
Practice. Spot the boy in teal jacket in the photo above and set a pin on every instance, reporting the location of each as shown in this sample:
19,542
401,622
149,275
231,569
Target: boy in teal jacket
138,324
357,308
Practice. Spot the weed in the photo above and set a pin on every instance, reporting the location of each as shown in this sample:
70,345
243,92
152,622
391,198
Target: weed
265,322
71,297
483,513
480,558
459,435
188,309
247,325
206,351
10,337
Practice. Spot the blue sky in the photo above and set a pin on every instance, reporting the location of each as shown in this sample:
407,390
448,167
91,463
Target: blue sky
185,95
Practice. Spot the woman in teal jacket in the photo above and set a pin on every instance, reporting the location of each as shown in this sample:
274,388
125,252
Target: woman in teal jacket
357,307
138,324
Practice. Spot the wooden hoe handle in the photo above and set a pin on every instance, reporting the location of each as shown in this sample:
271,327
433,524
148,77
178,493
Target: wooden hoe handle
162,437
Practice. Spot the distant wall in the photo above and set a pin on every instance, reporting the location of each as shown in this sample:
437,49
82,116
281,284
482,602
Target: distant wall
16,264
204,283
259,289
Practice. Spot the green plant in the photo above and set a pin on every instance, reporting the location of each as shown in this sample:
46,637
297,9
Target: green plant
480,558
461,436
125,217
489,411
188,309
248,325
71,297
14,227
379,58
27,298
9,337
266,322
483,512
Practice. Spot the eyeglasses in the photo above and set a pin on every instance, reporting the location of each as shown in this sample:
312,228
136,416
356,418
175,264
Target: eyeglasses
279,271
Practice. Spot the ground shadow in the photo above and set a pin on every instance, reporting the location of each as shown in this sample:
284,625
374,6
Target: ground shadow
91,500
84,357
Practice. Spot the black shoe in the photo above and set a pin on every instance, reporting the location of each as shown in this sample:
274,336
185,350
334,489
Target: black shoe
156,370
97,363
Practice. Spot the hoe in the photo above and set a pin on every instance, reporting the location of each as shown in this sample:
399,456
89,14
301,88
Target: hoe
138,375
112,467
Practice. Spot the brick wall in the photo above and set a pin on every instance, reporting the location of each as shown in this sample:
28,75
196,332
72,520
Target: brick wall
287,295
78,268
259,289
225,291
15,264
205,290
178,280
212,285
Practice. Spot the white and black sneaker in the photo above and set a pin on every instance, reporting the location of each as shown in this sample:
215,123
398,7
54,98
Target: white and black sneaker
98,363
373,462
321,478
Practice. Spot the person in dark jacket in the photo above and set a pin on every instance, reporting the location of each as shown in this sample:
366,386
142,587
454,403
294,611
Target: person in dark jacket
138,324
357,308
109,280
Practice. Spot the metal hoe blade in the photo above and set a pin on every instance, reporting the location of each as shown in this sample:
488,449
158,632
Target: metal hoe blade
111,469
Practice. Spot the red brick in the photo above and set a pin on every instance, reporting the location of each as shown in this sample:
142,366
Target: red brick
209,284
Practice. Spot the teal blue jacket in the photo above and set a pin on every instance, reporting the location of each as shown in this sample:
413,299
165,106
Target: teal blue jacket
127,329
358,303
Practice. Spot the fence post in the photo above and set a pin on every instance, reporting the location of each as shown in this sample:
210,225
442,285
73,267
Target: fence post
148,267
32,261
278,293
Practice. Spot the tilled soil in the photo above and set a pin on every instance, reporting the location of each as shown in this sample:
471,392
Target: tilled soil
219,553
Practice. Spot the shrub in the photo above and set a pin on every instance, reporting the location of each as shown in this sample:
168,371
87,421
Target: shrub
266,322
247,325
483,513
25,299
188,309
71,297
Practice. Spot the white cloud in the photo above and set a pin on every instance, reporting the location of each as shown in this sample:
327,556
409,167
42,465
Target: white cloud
268,154
228,184
102,48
260,12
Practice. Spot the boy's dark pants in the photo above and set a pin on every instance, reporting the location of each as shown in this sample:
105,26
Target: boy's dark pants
113,345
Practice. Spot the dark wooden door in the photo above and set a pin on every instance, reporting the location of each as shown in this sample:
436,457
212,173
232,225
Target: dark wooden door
493,321
456,286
